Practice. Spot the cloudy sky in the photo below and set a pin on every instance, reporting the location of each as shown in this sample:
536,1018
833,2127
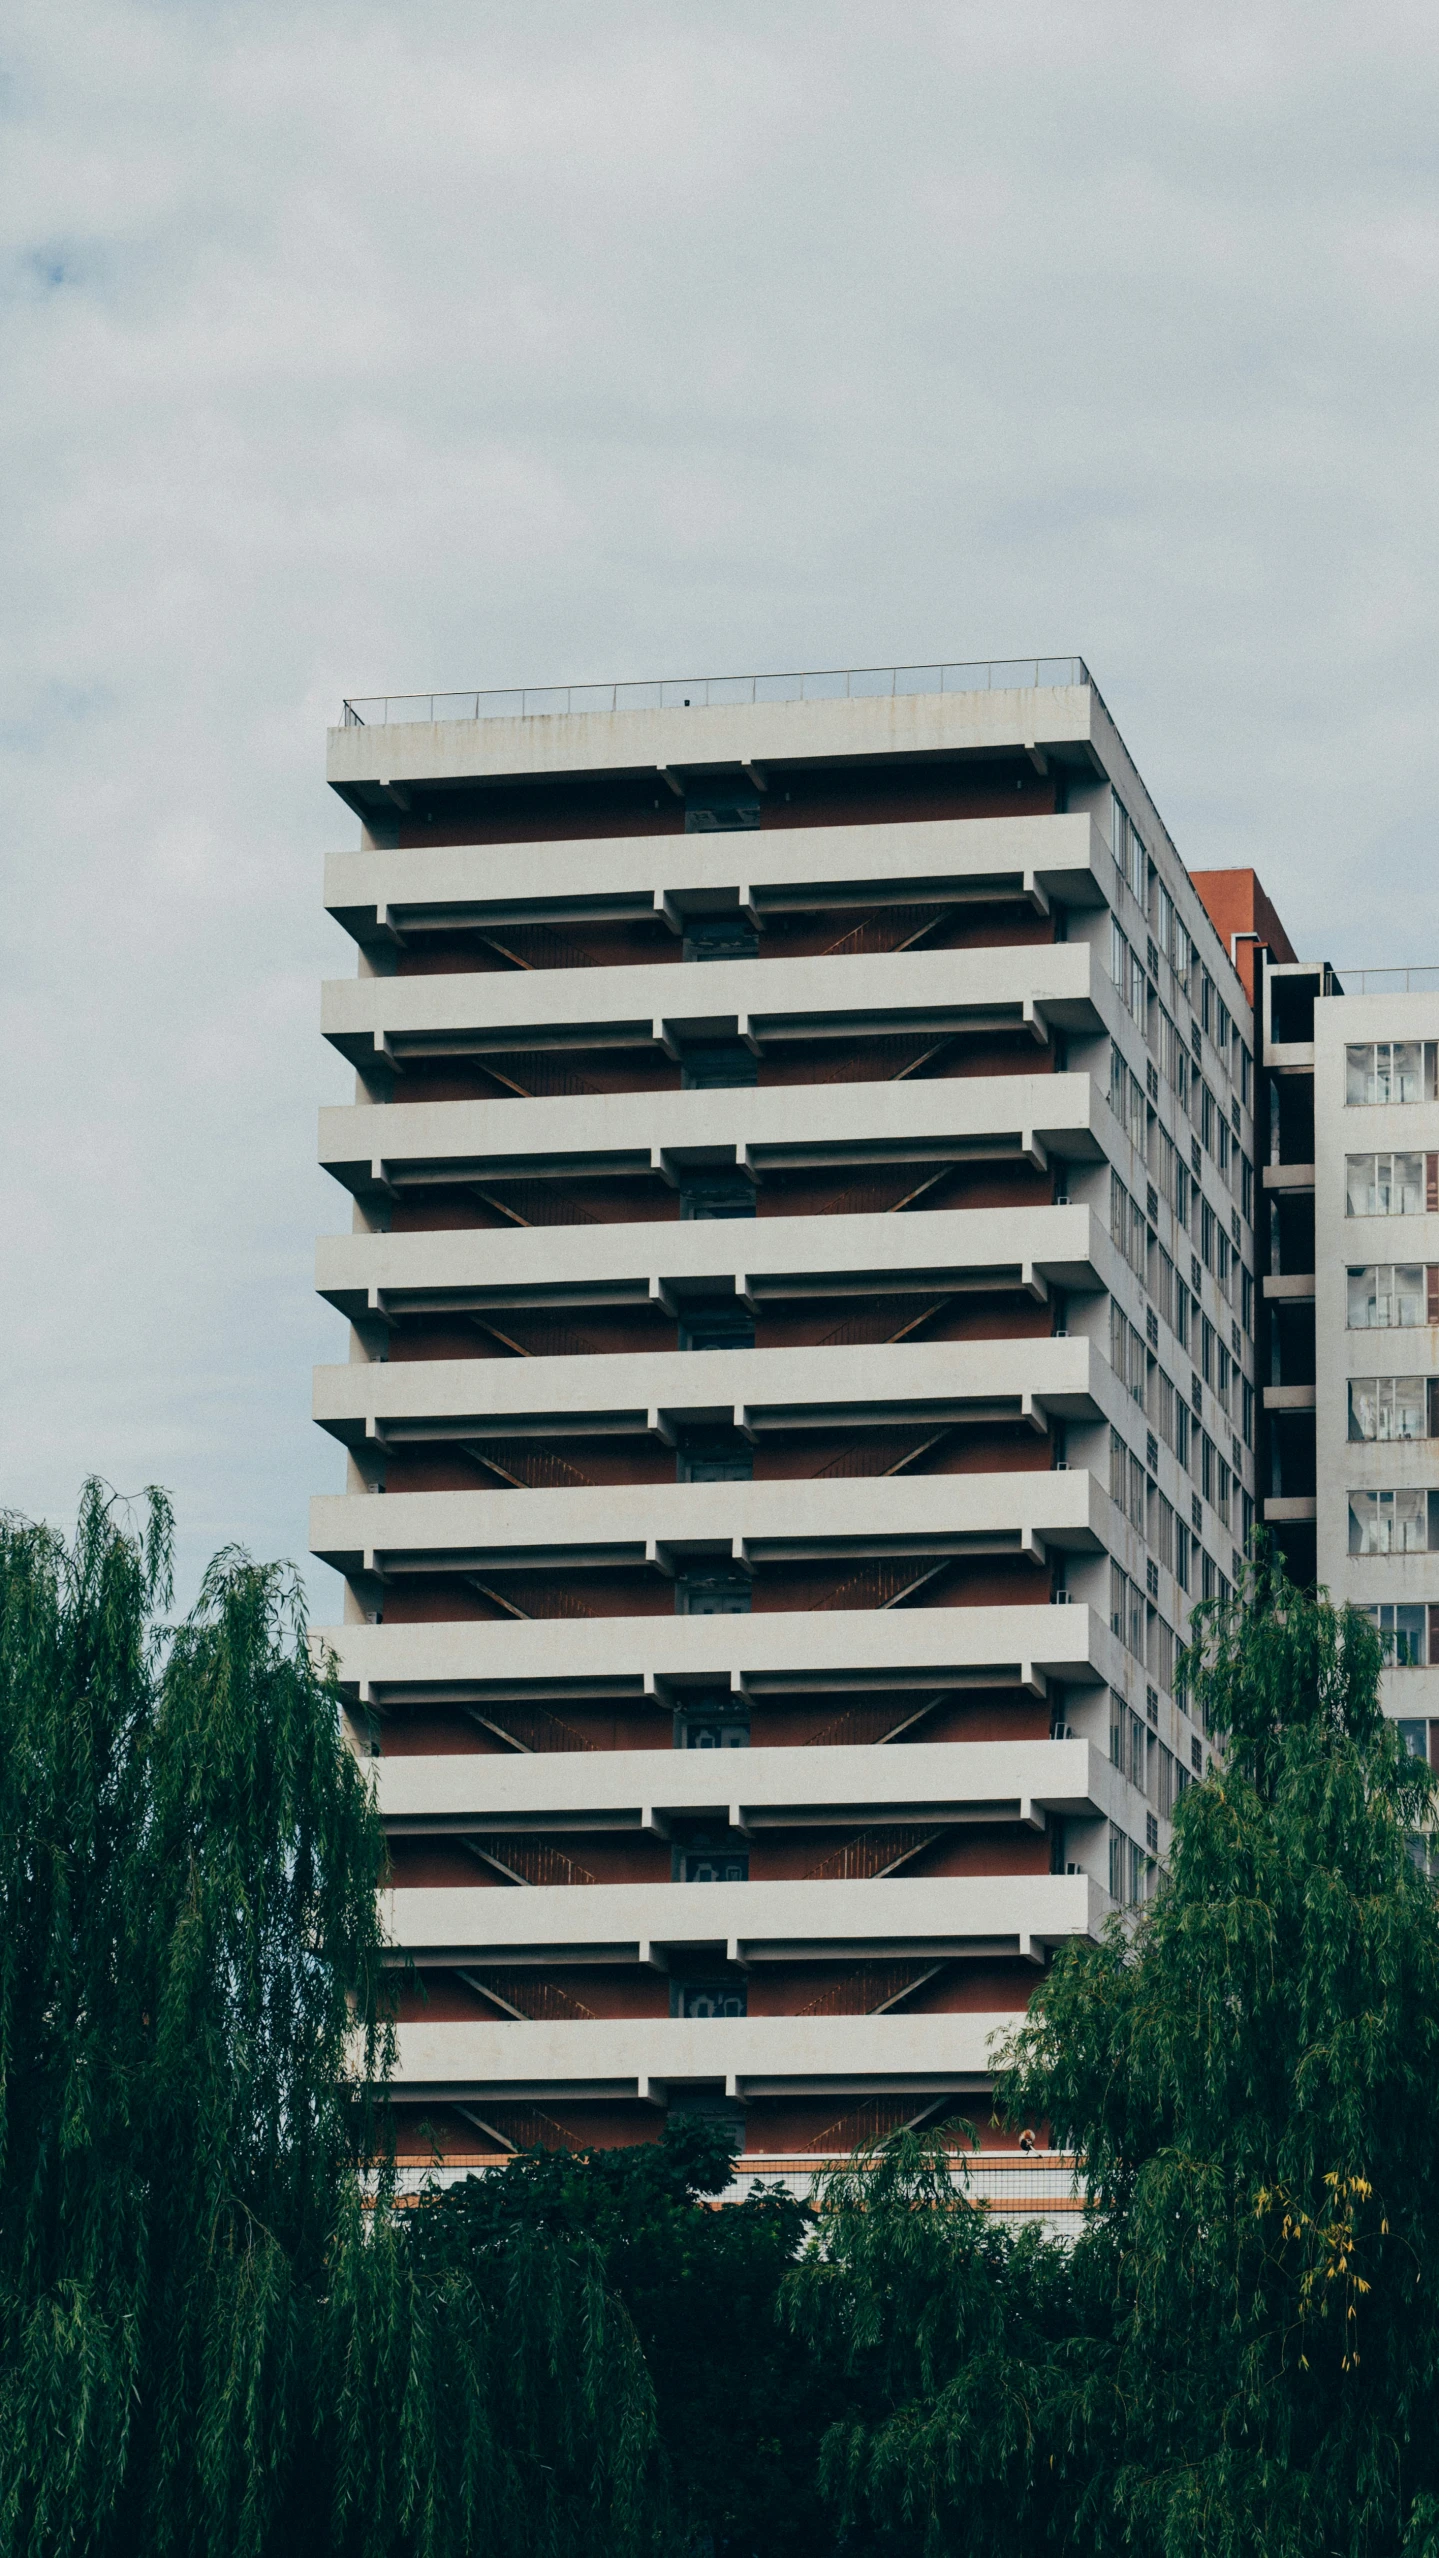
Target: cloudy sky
350,348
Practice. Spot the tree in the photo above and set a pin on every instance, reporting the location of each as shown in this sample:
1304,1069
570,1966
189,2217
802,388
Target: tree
1242,2354
205,2340
740,2406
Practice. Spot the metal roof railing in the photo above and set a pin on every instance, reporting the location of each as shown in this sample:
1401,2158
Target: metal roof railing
1423,980
712,692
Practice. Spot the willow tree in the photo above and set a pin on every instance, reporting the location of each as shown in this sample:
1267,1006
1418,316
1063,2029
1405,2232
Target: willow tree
205,2342
1240,2356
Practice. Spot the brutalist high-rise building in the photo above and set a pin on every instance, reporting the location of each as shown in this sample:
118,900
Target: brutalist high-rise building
801,1294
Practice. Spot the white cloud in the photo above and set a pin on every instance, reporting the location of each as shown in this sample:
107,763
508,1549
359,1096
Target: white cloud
362,347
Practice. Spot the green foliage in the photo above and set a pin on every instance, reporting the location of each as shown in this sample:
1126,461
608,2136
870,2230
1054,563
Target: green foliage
946,2328
1251,2082
740,2406
1240,2355
205,2342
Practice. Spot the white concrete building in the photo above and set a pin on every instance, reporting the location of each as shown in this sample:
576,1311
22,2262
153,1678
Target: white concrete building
1354,1390
752,1726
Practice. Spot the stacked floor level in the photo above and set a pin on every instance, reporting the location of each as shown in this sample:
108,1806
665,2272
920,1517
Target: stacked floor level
801,1298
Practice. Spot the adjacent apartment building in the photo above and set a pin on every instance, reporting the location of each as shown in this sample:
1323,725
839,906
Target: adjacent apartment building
1351,1301
803,1293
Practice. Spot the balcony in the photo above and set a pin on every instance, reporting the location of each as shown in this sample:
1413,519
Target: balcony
745,1923
826,1652
660,1526
740,2055
384,897
385,1022
945,1784
378,1151
429,1402
769,1259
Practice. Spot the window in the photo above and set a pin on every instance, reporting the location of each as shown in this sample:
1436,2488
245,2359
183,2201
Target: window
1414,1738
717,1460
712,1597
717,1194
700,1862
1401,1631
722,1327
712,1723
1400,1522
1128,1619
1391,1070
1388,1185
707,1998
1391,1407
1384,1295
1129,978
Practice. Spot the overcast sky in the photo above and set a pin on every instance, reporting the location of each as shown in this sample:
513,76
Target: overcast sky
352,348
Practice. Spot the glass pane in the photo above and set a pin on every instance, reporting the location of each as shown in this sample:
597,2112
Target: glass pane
1408,1294
1407,1186
1359,1186
1362,1299
723,689
1408,1071
1409,1638
869,681
778,688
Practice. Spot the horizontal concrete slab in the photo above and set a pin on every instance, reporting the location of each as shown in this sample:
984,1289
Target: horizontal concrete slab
739,2055
664,1523
637,741
746,1789
743,1922
770,1257
834,1651
420,1402
376,1150
379,1018
383,895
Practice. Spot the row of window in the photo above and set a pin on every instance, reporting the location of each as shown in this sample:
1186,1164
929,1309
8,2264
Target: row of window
1178,1419
1132,1872
1175,1541
1180,1061
1147,1761
1170,935
1394,1407
1386,1296
1391,1185
1403,1521
1409,1631
1390,1070
1179,1177
1132,1231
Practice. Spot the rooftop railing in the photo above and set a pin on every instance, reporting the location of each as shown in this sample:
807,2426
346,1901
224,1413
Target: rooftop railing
713,692
1391,981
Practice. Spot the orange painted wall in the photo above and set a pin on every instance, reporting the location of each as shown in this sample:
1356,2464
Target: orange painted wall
1235,902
